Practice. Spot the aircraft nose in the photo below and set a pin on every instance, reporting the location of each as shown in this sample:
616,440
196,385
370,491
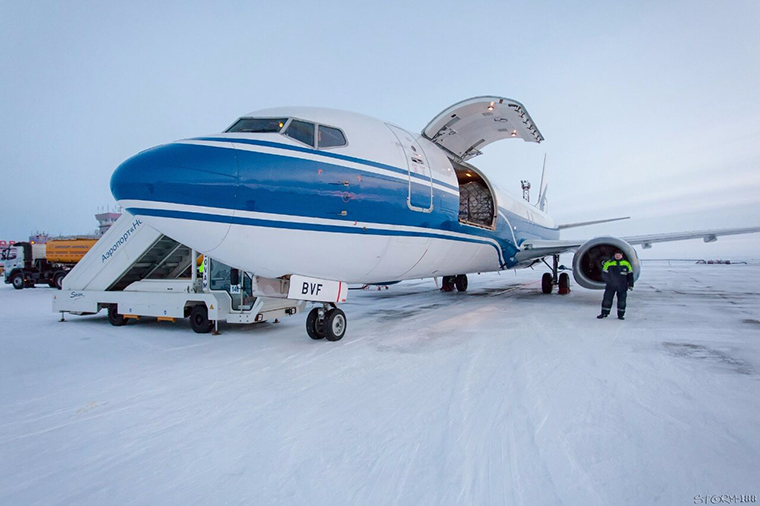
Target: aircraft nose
185,172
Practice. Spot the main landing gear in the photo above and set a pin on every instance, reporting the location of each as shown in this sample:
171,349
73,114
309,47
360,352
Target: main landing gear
326,322
548,280
448,283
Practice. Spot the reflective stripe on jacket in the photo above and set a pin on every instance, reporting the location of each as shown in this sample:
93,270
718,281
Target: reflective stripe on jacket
618,273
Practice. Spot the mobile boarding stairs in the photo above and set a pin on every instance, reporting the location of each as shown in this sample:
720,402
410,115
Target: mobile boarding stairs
135,271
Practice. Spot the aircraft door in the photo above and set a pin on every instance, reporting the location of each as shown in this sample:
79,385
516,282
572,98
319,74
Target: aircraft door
420,196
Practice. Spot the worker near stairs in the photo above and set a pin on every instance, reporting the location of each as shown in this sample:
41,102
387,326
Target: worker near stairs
618,275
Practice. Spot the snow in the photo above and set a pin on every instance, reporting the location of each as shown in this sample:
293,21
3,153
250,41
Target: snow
501,395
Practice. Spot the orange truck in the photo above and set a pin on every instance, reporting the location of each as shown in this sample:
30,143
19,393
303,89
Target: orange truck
27,264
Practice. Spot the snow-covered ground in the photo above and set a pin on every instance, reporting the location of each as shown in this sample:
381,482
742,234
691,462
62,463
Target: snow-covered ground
501,395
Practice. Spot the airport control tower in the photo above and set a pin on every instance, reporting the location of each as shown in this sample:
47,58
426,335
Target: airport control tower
106,219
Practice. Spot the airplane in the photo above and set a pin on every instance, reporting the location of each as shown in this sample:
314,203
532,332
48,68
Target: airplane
323,198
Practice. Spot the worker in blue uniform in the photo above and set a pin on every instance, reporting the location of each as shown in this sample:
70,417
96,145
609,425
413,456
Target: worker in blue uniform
617,273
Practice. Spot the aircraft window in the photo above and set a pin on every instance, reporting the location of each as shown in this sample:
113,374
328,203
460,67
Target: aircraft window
301,131
330,137
258,125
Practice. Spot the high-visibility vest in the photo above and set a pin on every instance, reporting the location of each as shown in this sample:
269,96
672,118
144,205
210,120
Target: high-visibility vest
621,263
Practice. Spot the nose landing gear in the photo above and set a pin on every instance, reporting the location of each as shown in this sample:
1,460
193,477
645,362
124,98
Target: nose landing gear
327,322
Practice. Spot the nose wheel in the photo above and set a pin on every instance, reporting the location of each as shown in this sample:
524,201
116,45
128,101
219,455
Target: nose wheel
315,326
327,322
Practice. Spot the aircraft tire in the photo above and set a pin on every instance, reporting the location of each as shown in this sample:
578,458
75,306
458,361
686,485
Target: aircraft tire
447,283
564,284
114,318
17,280
335,324
199,319
314,327
546,283
461,282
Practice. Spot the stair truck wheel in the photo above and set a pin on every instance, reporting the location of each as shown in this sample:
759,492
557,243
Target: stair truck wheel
546,283
114,318
314,327
447,283
335,324
199,319
17,280
461,282
58,279
564,283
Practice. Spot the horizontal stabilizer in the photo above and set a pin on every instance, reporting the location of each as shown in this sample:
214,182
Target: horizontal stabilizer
595,222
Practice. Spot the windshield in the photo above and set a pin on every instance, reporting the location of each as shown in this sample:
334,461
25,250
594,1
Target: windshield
8,254
330,137
301,131
258,125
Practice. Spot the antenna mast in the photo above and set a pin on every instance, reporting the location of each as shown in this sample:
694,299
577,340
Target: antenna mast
542,189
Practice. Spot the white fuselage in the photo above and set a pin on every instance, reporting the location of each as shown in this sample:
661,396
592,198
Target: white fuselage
383,207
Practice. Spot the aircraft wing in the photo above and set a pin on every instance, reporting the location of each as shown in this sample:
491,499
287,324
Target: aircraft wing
706,235
532,249
542,248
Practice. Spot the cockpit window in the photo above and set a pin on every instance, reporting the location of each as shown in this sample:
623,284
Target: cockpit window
330,137
258,125
301,131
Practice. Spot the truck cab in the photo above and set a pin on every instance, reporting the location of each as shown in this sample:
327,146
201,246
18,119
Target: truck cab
14,259
7,257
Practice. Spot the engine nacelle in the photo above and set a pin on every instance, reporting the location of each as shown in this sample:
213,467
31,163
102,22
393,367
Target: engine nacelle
588,260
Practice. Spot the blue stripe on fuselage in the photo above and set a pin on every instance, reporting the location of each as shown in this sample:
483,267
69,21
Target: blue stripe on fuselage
336,156
284,224
284,185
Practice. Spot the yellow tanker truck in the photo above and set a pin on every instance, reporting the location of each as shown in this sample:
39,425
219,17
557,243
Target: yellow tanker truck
27,264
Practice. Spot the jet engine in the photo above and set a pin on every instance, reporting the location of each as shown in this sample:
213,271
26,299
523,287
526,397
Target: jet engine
588,260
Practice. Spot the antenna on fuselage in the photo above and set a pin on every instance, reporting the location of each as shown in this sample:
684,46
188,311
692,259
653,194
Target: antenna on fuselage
542,189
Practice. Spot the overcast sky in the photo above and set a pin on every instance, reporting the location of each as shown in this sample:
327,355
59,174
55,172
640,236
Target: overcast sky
649,109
